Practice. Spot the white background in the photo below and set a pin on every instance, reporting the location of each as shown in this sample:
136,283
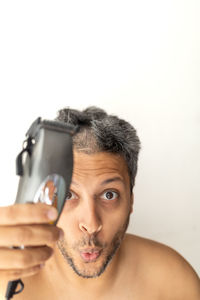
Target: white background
137,59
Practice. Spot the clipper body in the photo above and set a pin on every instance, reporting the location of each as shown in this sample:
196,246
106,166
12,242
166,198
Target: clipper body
46,164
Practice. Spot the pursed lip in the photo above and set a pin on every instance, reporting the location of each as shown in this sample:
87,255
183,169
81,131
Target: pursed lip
90,255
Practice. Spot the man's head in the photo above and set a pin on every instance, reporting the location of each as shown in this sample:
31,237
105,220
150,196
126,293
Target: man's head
99,203
100,132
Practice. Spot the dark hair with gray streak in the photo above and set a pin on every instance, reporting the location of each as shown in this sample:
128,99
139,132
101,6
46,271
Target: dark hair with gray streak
99,131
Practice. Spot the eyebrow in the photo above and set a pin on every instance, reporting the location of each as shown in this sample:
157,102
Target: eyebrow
109,180
112,180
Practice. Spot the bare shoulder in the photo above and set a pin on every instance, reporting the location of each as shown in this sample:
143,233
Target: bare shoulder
163,269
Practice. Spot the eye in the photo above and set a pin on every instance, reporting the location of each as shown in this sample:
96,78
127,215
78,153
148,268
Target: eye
110,195
70,195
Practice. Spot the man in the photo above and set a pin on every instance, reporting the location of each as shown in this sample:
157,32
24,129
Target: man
90,256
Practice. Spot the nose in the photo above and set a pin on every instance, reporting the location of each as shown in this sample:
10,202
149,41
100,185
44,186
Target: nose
90,222
88,228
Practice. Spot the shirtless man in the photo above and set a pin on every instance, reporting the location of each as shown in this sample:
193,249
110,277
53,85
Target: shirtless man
89,255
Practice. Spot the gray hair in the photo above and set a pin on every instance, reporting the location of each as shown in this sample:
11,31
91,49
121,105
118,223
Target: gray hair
99,131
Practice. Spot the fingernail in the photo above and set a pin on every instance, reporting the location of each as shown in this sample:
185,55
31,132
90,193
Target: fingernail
52,214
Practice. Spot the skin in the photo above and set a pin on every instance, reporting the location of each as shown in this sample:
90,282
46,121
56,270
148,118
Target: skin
96,214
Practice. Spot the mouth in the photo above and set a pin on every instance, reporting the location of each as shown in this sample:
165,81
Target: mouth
90,255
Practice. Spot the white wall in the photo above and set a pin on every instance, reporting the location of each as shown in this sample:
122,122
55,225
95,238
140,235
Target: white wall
137,59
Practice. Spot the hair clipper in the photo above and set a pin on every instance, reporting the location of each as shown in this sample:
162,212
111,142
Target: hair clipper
45,168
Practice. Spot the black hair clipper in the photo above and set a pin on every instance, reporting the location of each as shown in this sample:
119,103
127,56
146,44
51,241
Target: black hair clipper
45,165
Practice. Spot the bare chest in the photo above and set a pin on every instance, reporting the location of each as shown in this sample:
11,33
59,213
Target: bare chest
33,291
125,289
120,294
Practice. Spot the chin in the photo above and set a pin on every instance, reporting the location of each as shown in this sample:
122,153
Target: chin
92,269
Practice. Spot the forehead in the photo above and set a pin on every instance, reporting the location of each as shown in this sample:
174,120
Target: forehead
100,164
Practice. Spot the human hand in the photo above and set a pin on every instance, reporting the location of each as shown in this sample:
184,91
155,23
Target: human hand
28,225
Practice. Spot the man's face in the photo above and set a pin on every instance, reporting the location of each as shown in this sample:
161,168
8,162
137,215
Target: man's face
96,212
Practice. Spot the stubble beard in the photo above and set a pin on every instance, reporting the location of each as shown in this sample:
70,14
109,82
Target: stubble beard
114,246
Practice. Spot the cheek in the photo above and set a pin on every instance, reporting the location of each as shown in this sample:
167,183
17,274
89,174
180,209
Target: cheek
68,225
66,221
113,222
114,219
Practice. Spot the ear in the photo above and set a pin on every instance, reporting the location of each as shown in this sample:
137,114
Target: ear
132,202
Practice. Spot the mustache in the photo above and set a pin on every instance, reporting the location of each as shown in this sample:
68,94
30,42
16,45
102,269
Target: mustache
89,241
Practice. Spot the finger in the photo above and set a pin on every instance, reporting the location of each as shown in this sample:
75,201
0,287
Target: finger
24,258
27,213
14,274
29,235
